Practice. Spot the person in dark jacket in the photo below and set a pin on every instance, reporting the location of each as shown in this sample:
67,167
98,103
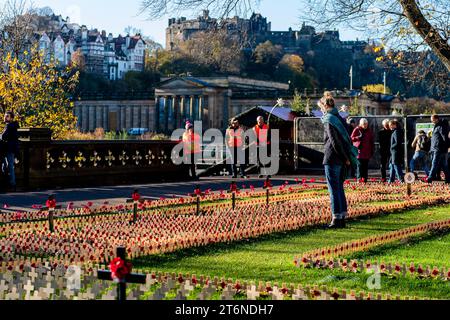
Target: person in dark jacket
421,148
397,152
384,136
439,150
362,138
339,155
10,144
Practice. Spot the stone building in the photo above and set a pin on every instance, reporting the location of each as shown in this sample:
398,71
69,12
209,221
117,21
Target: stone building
257,29
212,100
104,54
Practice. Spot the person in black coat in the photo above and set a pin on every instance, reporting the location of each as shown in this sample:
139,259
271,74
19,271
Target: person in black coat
397,151
439,149
384,136
10,146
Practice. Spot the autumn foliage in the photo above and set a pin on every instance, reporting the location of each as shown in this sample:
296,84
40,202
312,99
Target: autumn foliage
38,92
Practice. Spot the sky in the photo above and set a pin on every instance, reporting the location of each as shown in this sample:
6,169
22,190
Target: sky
115,15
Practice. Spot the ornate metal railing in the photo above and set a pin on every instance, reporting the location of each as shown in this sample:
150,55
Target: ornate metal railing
43,163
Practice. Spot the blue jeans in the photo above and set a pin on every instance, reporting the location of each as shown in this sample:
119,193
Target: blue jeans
420,156
395,171
439,163
335,181
8,166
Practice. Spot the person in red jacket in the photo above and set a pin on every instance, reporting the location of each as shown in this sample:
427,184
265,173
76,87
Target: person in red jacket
262,134
191,148
363,139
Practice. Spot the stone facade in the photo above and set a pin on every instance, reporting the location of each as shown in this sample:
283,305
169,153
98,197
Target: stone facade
112,115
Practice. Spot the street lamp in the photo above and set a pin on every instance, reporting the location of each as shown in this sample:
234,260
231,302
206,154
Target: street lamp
280,103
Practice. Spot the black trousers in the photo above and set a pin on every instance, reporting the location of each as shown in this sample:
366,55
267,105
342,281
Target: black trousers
384,165
363,169
190,161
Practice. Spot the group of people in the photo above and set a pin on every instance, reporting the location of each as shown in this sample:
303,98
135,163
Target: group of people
235,140
9,149
391,138
348,147
391,149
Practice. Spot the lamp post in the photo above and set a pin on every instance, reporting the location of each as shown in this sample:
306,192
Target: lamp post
280,103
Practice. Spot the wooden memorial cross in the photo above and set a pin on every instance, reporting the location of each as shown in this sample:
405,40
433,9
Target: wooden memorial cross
130,278
267,186
198,193
51,206
233,189
135,200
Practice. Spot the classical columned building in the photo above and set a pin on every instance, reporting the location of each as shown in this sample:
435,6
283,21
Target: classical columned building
211,100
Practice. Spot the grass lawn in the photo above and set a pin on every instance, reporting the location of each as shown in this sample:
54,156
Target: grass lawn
427,250
270,258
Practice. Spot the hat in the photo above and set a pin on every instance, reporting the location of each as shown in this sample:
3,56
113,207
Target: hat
188,125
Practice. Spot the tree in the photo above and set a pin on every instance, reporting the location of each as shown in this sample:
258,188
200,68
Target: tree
415,106
416,33
267,56
155,9
78,60
300,105
356,109
16,30
376,88
214,49
291,69
38,92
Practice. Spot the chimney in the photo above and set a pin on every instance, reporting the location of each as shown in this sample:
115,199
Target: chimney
110,37
128,41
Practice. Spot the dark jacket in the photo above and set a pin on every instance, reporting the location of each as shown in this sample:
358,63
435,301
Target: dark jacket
384,136
334,153
439,139
10,137
397,148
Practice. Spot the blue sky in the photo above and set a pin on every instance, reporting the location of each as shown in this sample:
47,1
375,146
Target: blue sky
114,15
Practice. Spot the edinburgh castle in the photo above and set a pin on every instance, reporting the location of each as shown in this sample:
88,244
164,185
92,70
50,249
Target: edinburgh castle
314,47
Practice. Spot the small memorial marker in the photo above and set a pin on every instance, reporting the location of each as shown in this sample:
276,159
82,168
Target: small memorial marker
50,207
117,275
135,200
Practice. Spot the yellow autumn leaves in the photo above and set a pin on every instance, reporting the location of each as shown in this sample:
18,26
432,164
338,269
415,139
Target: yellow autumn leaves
38,91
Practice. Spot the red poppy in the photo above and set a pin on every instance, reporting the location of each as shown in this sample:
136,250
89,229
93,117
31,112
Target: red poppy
51,203
119,269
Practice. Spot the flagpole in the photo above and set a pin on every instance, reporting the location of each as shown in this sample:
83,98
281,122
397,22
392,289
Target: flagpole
351,78
384,82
